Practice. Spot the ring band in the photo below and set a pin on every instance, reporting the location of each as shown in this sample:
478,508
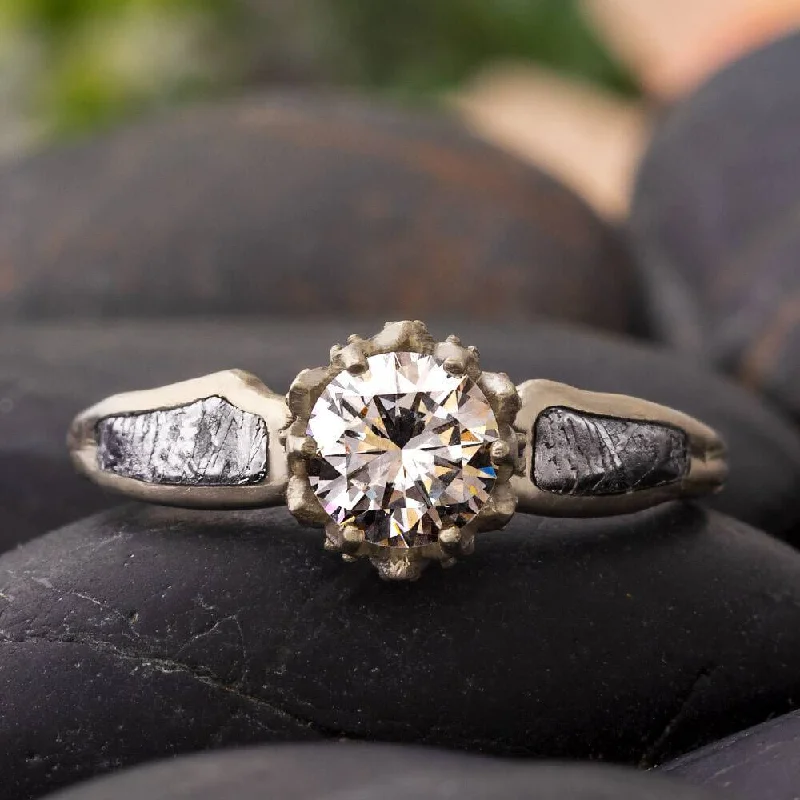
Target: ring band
401,448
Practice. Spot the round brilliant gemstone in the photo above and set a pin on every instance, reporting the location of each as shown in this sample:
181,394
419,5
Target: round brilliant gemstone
403,449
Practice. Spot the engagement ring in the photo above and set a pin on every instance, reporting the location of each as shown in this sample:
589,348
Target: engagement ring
402,449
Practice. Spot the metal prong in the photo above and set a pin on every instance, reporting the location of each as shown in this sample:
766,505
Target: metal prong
454,366
503,395
302,392
500,452
352,539
352,357
450,540
400,570
404,335
333,537
309,447
303,503
457,360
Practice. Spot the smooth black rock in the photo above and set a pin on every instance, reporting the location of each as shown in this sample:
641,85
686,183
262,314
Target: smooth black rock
50,373
308,205
348,771
145,632
762,763
715,222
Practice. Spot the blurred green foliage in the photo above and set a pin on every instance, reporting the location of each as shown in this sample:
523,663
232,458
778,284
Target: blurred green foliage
427,45
91,62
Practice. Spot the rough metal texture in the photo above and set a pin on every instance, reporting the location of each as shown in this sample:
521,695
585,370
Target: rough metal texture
205,443
587,454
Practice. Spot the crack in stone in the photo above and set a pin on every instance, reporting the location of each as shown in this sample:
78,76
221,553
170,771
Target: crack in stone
651,755
211,629
102,605
169,666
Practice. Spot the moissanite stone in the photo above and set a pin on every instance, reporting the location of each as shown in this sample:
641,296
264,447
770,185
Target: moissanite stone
403,449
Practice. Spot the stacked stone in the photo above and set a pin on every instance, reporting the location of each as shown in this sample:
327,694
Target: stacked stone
131,633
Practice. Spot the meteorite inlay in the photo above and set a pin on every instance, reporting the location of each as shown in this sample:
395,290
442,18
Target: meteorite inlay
205,443
577,453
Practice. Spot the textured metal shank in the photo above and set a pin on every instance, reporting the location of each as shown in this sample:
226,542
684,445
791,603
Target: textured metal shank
583,454
588,454
592,454
206,443
212,442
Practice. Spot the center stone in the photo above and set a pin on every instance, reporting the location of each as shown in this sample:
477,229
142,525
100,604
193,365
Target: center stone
403,449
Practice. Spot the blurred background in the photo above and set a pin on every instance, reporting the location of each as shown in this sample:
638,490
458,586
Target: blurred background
588,72
70,66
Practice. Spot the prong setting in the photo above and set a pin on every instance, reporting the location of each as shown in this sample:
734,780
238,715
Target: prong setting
454,540
457,359
400,569
353,357
450,540
352,539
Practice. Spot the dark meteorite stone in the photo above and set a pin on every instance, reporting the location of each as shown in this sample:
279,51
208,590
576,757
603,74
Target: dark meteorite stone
300,205
206,443
716,222
589,454
50,373
762,763
145,632
347,771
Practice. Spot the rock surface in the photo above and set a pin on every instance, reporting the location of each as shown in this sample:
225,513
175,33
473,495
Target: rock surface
715,222
50,373
300,205
146,632
347,771
762,763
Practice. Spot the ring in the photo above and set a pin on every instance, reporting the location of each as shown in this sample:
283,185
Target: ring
402,449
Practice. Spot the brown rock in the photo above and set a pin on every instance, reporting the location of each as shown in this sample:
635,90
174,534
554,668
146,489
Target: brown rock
303,205
716,223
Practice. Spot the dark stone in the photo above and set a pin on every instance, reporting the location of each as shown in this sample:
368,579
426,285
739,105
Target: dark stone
762,763
146,632
715,222
303,204
206,443
348,771
588,454
50,373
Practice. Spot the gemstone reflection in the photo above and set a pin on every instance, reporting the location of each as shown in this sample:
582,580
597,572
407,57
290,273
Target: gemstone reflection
403,449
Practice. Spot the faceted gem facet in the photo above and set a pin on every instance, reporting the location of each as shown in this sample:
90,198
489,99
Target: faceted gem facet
403,449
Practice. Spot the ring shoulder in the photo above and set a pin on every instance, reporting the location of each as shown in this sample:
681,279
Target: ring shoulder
594,454
210,442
